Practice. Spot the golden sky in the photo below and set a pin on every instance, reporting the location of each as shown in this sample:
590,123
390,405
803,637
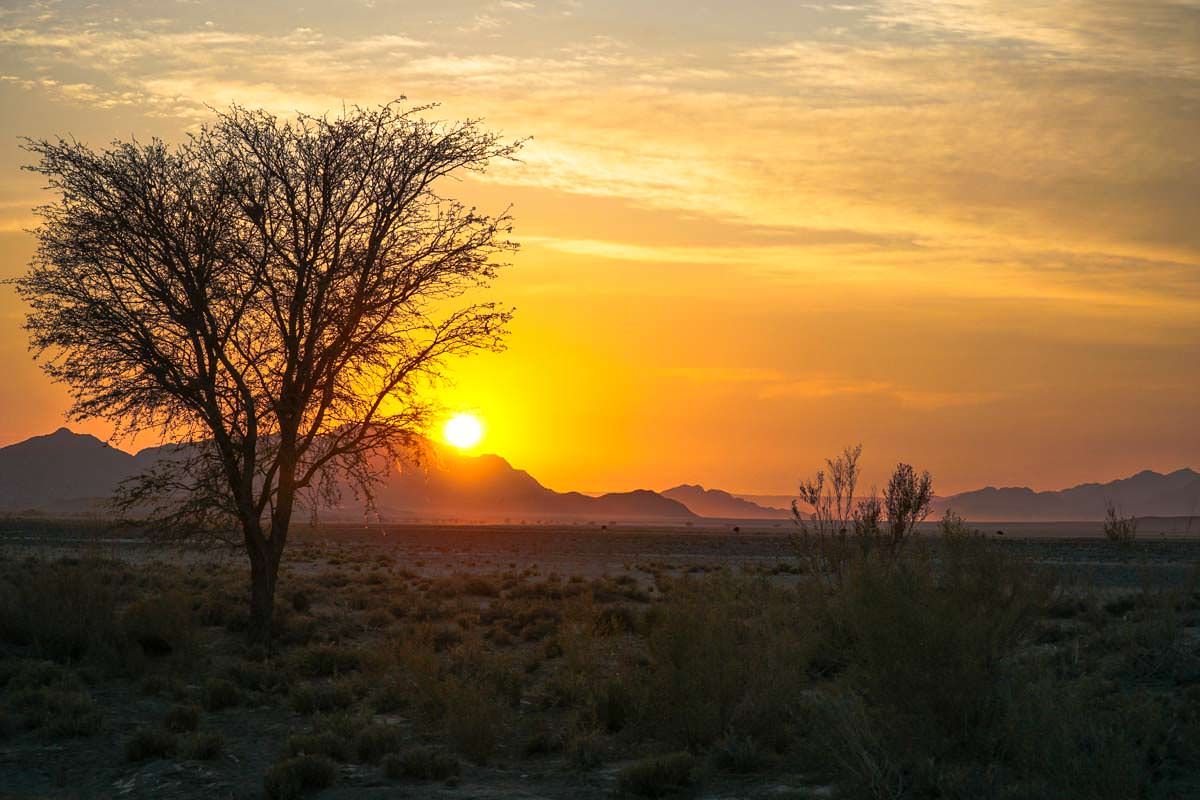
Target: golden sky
965,233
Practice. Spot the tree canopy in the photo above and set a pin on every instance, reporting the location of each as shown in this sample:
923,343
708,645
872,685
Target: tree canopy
271,292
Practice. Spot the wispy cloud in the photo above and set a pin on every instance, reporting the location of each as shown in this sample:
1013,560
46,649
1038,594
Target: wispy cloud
772,384
967,126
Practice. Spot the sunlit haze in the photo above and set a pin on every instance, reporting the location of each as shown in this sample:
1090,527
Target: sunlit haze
963,233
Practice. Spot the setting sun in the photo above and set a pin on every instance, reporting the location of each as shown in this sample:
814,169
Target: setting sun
463,430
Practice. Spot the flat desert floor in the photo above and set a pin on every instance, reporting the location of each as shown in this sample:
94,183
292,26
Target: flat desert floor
533,672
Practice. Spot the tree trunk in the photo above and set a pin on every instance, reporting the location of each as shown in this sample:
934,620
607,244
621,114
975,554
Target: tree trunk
265,548
264,572
265,554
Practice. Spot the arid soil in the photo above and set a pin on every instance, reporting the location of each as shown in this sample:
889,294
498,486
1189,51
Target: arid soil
526,639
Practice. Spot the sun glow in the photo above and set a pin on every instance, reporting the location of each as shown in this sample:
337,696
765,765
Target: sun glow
463,430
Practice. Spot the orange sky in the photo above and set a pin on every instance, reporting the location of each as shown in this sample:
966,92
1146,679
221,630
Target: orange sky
964,233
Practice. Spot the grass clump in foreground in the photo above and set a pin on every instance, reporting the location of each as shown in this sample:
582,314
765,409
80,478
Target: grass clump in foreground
422,764
204,746
941,691
945,668
297,776
150,742
660,776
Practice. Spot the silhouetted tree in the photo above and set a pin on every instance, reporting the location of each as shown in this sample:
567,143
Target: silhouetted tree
1118,527
273,293
907,500
837,531
822,534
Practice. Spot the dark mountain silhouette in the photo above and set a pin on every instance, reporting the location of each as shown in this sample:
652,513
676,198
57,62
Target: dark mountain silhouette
60,471
718,503
69,472
66,472
448,483
1147,493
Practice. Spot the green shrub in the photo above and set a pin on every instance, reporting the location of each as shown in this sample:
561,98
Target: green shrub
45,697
719,643
473,719
324,698
205,746
218,694
181,719
65,610
739,754
377,740
941,696
319,743
658,777
928,653
322,661
1082,740
584,746
389,697
301,602
1119,528
150,742
257,677
851,738
421,763
160,625
293,777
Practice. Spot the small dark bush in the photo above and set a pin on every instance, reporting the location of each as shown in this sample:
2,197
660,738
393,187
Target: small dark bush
320,743
375,741
53,703
615,620
421,763
205,746
1119,528
301,602
324,698
323,661
257,677
65,610
473,720
218,694
389,697
1121,606
657,777
160,625
740,754
296,776
150,742
181,719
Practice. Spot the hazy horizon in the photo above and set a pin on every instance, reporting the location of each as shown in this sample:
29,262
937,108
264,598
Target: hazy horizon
777,499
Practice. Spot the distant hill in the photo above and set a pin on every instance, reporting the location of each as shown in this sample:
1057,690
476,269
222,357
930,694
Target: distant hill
61,471
67,472
718,503
1147,493
448,483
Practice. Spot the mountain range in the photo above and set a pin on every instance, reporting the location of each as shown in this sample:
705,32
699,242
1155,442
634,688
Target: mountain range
1148,493
66,472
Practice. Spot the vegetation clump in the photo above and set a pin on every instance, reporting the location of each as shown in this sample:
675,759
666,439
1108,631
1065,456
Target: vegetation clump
294,777
219,693
660,776
1118,527
950,667
150,742
421,763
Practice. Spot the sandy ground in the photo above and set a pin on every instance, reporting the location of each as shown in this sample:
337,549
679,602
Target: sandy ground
96,768
591,551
